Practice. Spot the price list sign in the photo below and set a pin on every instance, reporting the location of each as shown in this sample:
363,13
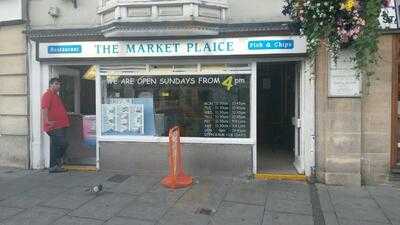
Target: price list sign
226,119
226,114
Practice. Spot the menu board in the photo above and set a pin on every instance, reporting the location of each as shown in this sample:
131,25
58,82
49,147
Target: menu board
122,119
226,119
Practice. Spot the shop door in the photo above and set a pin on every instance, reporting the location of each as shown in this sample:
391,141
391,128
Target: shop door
81,110
297,123
278,124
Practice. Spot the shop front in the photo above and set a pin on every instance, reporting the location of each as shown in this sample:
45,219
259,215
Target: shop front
244,105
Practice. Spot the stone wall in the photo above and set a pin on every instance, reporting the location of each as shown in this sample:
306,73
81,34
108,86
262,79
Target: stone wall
353,134
13,97
376,117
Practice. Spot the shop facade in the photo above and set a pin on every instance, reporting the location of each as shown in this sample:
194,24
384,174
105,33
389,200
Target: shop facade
208,87
236,80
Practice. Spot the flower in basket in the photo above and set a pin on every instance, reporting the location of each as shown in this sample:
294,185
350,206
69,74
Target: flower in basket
339,24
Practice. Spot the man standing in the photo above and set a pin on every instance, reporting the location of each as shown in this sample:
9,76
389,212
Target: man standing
55,122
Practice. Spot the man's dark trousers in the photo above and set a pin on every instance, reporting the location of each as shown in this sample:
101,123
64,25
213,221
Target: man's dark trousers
58,145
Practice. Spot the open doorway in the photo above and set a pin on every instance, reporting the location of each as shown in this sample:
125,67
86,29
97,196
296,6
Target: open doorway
277,113
78,94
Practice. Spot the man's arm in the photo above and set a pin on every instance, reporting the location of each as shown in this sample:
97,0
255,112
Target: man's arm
45,105
45,117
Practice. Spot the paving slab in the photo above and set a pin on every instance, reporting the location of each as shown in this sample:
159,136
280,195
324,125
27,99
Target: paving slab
360,222
35,216
103,179
330,218
71,199
145,210
287,186
292,195
324,199
8,174
127,221
104,206
339,193
237,214
395,222
136,185
207,193
40,198
247,192
391,208
177,216
160,194
289,206
33,197
69,220
384,191
12,189
6,212
153,204
275,218
70,179
359,209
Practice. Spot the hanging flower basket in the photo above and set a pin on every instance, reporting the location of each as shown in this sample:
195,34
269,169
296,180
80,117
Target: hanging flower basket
341,24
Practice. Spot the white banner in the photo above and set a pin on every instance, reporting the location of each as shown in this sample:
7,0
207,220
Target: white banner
167,48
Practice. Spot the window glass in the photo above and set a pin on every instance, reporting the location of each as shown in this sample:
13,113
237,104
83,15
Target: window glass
202,105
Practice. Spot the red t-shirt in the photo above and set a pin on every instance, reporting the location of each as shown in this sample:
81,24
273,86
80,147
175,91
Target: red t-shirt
56,111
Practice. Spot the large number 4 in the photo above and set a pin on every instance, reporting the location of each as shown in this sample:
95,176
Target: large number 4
228,83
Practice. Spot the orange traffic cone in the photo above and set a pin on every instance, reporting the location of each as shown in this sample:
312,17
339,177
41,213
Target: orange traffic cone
176,177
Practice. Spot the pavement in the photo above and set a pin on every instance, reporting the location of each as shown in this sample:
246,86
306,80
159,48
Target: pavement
38,198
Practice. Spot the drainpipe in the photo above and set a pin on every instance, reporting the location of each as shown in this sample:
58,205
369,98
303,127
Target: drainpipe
27,33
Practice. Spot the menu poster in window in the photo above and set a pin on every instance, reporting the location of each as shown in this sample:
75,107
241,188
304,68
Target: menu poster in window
125,119
122,115
108,118
137,119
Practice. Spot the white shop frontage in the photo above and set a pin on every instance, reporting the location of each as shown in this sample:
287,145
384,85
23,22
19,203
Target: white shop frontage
244,104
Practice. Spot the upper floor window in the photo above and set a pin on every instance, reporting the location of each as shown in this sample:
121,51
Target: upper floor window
162,10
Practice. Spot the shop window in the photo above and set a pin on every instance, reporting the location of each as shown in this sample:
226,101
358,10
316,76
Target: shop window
202,105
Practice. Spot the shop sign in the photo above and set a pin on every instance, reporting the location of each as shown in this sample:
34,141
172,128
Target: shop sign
166,48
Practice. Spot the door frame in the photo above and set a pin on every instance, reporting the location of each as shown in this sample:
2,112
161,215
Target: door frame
306,163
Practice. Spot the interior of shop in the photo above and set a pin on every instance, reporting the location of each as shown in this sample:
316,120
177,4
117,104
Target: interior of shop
276,106
78,94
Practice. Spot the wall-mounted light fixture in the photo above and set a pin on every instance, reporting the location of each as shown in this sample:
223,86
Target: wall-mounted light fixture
54,11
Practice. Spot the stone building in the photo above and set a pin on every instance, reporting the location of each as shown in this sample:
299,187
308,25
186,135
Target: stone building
14,90
233,76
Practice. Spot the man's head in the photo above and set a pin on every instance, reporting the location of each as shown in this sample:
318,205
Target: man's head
54,84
